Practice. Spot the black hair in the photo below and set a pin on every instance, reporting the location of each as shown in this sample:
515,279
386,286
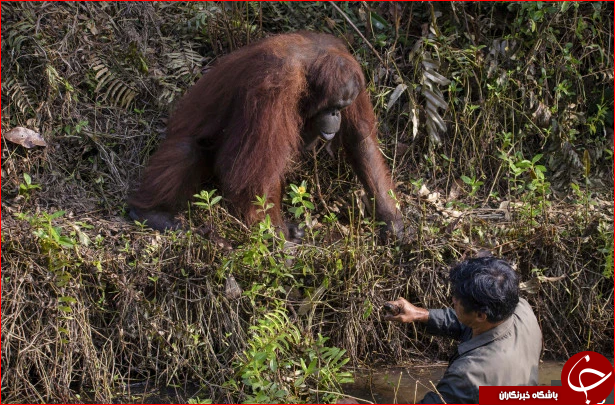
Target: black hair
488,285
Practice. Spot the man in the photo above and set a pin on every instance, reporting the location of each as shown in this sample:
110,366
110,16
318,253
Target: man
500,337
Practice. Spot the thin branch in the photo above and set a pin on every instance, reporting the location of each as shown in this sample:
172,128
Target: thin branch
357,30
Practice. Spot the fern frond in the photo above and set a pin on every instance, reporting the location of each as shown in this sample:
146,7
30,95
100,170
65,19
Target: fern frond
20,93
184,65
110,86
434,99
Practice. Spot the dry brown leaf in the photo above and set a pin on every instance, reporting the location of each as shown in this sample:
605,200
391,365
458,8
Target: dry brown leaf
456,189
24,137
232,290
424,191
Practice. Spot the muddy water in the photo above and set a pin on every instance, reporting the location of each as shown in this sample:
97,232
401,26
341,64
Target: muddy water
382,386
406,385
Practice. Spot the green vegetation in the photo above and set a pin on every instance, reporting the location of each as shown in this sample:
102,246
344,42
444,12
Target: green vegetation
496,118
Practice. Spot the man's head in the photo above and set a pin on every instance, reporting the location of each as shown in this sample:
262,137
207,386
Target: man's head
486,285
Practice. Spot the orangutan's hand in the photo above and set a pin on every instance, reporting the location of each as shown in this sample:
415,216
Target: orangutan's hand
403,311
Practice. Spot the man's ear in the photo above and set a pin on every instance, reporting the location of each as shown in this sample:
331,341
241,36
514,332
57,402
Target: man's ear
481,316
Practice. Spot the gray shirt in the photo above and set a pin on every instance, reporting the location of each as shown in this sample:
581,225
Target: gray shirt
505,355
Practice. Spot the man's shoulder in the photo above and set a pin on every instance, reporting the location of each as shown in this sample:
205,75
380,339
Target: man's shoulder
523,303
524,310
526,323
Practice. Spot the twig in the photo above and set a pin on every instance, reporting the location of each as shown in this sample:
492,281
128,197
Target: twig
357,30
437,392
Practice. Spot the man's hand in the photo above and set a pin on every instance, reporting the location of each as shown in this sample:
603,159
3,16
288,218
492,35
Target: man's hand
406,312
